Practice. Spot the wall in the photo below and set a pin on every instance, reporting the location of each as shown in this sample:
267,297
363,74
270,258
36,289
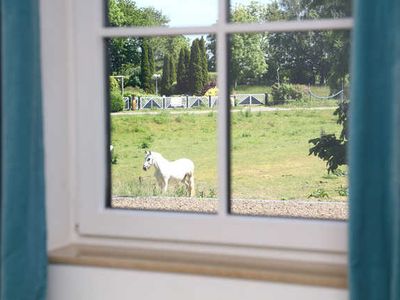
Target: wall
84,283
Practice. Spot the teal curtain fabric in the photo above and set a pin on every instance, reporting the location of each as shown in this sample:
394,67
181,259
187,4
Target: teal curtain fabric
23,259
374,225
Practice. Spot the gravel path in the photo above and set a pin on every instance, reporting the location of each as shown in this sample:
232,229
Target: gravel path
286,208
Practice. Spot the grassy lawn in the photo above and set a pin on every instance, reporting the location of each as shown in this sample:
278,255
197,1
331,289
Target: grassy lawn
269,153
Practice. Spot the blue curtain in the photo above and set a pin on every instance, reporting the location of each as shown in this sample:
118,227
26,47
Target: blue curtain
375,152
23,259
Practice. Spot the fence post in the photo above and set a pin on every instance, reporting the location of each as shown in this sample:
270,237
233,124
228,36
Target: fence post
266,99
187,101
163,102
209,101
139,103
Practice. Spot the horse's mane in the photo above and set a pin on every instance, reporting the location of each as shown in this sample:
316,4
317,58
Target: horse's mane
156,154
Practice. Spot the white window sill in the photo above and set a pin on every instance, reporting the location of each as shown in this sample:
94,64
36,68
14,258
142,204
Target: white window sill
228,266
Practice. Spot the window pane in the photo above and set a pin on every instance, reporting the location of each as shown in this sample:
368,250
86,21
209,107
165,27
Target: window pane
261,11
172,13
163,109
289,93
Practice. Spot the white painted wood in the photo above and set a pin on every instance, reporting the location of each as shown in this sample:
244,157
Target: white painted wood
57,92
223,111
73,86
278,26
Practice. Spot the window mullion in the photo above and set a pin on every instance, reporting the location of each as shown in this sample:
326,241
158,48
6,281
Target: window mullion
223,110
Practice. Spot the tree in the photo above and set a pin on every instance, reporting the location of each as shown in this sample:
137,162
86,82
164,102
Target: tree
203,61
195,69
170,45
172,71
166,82
247,57
124,52
145,69
116,100
151,67
211,47
330,148
182,72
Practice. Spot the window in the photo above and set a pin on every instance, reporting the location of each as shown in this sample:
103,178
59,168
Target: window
95,219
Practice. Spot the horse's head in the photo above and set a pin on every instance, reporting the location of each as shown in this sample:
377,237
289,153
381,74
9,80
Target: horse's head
148,160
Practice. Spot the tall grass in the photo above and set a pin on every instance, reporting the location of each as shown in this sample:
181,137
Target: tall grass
269,154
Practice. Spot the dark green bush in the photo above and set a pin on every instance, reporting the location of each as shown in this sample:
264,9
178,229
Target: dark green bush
284,91
117,103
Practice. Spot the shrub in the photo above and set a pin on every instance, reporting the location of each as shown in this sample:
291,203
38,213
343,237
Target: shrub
134,91
283,92
117,103
211,92
114,85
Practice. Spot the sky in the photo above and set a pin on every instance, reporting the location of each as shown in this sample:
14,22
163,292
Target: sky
190,12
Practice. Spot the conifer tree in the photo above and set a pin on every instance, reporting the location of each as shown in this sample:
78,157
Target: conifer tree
151,67
172,70
165,84
186,84
145,72
204,63
181,72
195,69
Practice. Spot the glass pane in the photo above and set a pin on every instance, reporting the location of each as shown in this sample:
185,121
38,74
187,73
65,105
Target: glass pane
261,11
289,95
163,123
171,13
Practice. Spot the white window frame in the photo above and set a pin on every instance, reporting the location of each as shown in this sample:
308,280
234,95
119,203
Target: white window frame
89,140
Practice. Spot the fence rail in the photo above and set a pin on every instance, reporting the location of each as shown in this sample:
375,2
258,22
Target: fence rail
157,102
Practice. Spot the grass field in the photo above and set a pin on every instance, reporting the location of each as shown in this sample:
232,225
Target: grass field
269,154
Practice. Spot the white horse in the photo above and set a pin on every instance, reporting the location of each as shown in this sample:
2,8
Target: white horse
181,170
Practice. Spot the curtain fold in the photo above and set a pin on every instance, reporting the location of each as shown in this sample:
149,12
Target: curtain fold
374,227
23,260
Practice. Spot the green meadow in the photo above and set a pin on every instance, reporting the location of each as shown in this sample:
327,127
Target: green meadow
269,154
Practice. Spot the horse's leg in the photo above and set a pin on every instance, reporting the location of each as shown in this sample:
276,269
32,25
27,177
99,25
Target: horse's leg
165,187
160,183
191,186
186,181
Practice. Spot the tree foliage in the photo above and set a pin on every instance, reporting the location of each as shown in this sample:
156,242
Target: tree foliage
196,81
182,72
166,79
247,58
124,52
315,57
116,100
147,63
330,148
203,61
298,57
